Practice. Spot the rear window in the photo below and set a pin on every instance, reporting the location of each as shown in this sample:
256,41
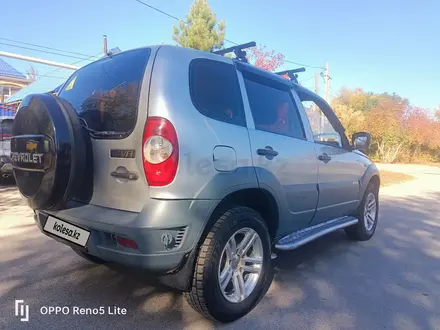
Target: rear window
106,93
215,91
6,129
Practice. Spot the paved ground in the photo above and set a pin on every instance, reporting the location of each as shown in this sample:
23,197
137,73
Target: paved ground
389,282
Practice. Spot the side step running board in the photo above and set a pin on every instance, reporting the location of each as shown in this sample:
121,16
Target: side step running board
303,236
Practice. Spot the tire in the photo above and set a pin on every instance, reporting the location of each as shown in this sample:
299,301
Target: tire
48,151
364,229
206,295
89,257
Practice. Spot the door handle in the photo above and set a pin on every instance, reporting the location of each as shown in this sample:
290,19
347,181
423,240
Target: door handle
268,152
324,158
125,176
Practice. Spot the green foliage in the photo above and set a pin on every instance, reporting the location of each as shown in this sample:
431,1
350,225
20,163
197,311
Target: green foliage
357,100
200,30
353,119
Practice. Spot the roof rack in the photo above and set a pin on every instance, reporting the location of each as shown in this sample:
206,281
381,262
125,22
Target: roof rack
292,74
238,50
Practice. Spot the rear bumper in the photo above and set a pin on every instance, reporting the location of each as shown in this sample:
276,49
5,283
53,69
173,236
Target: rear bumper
184,220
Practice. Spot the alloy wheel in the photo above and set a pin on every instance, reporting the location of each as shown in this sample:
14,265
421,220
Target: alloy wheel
370,211
240,265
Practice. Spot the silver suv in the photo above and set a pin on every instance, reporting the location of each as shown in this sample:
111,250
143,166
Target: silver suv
192,166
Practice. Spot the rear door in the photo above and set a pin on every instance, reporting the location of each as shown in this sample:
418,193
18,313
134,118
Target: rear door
111,96
285,162
340,170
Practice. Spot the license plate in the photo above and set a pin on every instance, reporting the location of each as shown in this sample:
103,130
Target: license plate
67,231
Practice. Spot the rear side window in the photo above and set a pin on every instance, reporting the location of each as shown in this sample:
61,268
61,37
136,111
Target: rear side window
215,91
106,93
273,108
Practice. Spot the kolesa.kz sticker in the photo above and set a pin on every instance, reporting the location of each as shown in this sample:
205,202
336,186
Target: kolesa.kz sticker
67,231
63,230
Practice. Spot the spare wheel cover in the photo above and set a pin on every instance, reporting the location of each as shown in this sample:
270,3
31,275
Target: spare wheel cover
47,151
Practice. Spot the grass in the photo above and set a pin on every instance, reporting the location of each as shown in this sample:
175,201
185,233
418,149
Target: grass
388,178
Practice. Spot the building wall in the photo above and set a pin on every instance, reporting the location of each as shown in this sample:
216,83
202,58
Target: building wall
8,88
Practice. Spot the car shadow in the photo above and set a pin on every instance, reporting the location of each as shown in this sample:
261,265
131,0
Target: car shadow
391,281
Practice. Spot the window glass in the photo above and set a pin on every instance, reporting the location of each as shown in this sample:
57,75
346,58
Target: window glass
106,92
273,109
215,91
323,131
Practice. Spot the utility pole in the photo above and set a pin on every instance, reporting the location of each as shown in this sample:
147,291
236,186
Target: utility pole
38,60
104,46
326,96
316,83
317,110
327,83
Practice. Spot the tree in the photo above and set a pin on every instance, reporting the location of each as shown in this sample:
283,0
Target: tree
400,131
352,119
386,124
200,30
437,114
357,99
262,58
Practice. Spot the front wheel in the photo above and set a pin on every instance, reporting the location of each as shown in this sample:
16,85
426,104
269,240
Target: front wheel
233,269
368,215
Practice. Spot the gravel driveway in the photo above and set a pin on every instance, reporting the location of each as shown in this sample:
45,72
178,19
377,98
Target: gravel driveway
389,282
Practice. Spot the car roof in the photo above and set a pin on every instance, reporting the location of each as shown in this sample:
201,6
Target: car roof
240,65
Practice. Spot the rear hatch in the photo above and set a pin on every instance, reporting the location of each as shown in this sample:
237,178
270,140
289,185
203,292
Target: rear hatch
111,96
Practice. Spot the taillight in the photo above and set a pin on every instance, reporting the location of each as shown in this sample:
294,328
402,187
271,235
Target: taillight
160,151
126,242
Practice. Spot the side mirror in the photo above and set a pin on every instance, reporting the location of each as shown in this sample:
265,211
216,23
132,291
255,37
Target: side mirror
361,141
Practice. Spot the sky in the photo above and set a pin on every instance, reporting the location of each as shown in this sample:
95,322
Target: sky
380,46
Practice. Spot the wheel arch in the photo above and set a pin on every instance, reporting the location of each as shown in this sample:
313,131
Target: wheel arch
371,175
375,179
259,199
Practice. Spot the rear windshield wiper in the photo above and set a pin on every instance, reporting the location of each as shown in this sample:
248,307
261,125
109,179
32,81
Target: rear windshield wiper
99,133
104,133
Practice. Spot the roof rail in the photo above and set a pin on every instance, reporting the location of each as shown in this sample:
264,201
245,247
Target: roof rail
292,74
238,50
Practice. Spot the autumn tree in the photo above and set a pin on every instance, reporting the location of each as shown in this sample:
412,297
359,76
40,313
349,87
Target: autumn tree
437,114
200,29
269,60
352,118
400,131
386,123
357,99
352,106
418,125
